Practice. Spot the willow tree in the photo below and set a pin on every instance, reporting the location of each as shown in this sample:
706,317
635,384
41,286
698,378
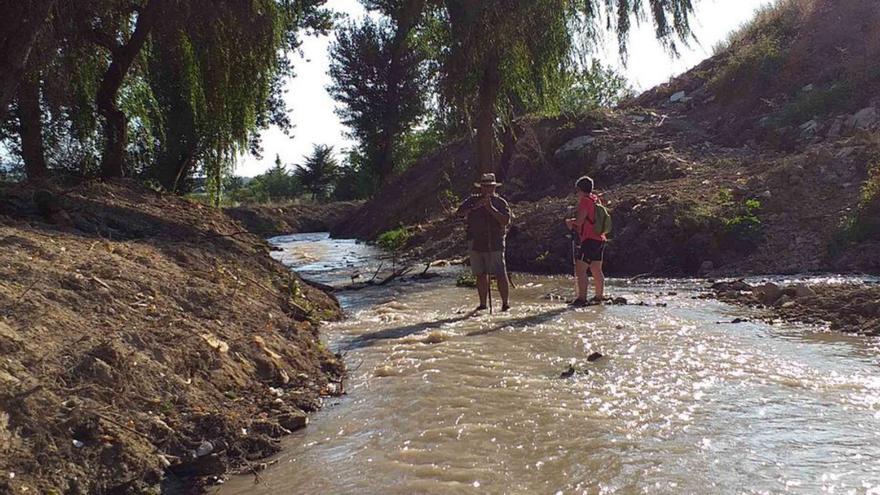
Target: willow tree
507,52
218,71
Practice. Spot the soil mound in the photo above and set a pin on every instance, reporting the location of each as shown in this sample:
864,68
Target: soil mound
142,336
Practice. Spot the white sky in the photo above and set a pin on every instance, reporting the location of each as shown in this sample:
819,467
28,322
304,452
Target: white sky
313,109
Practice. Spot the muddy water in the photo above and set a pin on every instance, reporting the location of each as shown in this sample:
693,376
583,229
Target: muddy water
439,402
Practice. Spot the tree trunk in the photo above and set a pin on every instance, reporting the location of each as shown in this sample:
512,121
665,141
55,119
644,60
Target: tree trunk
115,121
22,22
31,127
490,83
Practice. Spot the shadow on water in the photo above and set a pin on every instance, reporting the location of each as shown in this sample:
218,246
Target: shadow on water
405,331
526,321
369,339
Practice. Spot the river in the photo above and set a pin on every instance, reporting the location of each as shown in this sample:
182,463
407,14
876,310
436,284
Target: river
683,401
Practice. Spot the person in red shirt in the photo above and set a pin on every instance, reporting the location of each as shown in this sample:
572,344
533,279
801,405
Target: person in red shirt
591,246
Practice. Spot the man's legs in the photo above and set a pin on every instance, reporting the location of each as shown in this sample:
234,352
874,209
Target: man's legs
581,268
479,267
503,289
483,288
598,278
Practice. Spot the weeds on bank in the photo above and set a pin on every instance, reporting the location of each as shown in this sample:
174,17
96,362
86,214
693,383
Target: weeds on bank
742,227
394,241
466,279
864,223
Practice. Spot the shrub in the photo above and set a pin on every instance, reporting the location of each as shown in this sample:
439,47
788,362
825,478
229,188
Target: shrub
865,223
394,240
741,226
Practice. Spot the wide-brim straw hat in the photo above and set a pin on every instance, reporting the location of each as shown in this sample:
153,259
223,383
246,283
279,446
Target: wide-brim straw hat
487,180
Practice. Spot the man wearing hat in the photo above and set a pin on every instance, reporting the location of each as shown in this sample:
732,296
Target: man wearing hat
488,216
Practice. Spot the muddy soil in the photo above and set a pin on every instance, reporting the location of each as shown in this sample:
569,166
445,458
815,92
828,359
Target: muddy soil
144,336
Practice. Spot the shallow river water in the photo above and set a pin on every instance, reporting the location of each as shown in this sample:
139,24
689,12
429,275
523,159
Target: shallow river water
441,403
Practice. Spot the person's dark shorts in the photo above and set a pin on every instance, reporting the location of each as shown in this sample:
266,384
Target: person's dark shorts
592,250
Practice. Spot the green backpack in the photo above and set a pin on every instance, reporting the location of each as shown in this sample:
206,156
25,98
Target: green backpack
602,222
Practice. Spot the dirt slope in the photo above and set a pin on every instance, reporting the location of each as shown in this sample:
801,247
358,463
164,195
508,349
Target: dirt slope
139,331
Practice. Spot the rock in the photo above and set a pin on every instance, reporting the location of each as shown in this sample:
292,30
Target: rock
677,97
575,145
866,118
293,421
269,428
731,286
568,373
621,301
602,158
594,357
802,290
766,195
869,309
768,293
836,129
208,465
810,127
204,449
783,300
807,88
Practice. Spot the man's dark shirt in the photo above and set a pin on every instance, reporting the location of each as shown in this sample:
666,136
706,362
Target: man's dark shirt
482,228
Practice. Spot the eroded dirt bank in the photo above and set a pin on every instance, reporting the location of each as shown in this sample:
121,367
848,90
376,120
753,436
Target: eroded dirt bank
144,336
283,219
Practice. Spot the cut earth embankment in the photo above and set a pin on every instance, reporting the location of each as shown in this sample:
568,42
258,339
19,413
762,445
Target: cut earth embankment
145,336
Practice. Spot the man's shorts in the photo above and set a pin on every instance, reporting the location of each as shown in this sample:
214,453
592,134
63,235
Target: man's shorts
591,250
487,263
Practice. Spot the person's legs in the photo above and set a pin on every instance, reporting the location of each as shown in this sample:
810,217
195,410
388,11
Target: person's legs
499,269
479,269
503,289
598,279
483,288
581,269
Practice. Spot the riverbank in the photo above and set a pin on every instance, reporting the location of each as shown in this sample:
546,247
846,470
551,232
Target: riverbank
292,218
846,308
145,336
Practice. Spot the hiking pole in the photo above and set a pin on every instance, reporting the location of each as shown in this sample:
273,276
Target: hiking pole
573,235
489,272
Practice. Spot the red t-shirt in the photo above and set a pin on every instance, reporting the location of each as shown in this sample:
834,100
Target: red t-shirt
588,204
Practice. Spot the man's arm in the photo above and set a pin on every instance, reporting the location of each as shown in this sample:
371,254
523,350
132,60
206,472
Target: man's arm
466,207
503,215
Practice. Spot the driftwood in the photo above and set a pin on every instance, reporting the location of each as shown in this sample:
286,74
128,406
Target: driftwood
396,274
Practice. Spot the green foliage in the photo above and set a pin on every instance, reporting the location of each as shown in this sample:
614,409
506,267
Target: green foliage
742,227
319,173
208,78
752,66
592,87
356,180
394,240
864,224
531,43
380,79
816,103
466,279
